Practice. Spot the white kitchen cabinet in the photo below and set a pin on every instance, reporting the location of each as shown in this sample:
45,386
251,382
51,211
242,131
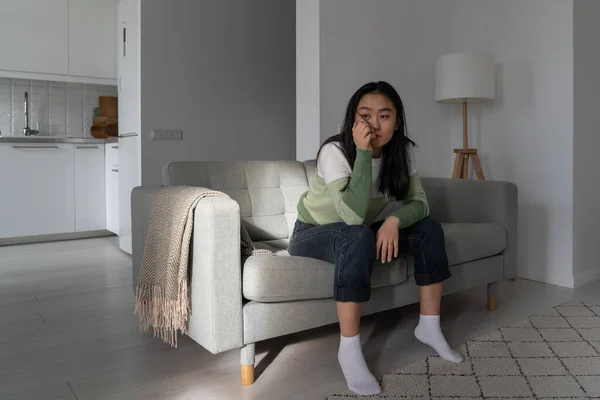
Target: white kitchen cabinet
35,36
112,188
59,40
93,38
90,187
37,189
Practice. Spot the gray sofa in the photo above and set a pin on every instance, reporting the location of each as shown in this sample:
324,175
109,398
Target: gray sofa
238,302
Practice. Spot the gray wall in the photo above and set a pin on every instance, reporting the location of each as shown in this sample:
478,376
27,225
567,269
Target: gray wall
394,40
224,72
586,143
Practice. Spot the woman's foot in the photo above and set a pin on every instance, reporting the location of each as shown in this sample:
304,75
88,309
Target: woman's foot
429,332
358,377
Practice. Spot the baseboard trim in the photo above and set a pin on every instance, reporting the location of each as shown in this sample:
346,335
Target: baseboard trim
54,237
582,278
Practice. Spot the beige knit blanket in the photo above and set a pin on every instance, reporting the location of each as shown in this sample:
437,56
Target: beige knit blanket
162,293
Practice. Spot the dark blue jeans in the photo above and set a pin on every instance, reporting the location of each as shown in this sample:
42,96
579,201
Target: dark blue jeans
352,249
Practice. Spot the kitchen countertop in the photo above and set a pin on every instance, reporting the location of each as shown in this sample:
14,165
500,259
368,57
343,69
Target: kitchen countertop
54,139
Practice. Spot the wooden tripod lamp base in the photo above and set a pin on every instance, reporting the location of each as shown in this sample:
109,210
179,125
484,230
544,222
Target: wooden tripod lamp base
467,77
461,164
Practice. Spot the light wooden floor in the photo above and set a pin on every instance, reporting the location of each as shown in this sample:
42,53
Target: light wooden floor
67,331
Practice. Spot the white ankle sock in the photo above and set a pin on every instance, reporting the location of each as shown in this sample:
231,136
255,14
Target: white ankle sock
358,377
429,332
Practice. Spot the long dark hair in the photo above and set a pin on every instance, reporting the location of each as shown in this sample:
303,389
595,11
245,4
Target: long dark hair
395,168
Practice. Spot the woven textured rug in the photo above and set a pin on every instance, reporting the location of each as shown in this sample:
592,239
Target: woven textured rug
554,355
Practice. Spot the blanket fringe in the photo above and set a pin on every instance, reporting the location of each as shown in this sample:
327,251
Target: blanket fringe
165,316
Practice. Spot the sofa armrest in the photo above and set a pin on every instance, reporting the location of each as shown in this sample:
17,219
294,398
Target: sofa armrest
471,201
216,321
216,277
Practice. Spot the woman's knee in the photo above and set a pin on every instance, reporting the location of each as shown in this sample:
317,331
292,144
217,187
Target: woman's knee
430,228
361,236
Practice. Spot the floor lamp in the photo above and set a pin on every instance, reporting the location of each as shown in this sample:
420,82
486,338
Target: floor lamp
462,78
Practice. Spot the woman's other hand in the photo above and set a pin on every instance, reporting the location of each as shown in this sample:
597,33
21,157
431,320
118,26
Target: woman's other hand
387,239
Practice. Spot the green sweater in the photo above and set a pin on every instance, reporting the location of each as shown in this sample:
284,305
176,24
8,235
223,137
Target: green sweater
360,202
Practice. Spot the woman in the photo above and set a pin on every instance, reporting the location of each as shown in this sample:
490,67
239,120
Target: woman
359,172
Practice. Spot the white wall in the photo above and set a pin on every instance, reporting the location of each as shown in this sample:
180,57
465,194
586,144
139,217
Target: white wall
307,79
526,135
224,72
586,180
397,41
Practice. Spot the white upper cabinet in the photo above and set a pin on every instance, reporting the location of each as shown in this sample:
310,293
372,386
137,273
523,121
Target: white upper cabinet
60,40
93,38
35,36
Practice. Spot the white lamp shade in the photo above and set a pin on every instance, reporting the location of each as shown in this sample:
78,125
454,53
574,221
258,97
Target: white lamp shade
464,77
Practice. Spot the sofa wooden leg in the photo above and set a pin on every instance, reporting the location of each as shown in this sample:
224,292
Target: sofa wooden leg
247,375
492,296
247,364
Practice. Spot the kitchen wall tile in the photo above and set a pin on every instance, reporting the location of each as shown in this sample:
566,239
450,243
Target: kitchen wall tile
20,90
91,95
58,95
75,131
18,123
40,98
75,97
58,130
57,108
24,82
5,101
35,82
18,110
75,110
74,117
5,127
5,106
89,110
75,87
109,90
40,112
58,114
87,125
40,89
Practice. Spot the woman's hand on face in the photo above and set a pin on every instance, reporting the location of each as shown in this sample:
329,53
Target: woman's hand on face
387,239
362,134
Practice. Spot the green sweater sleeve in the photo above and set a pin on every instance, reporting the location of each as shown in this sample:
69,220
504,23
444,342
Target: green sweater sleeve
351,195
415,207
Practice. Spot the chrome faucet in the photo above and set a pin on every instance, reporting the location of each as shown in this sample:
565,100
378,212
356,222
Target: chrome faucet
27,131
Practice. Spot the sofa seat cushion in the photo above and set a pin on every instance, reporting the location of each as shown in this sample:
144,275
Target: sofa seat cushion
471,241
285,278
282,277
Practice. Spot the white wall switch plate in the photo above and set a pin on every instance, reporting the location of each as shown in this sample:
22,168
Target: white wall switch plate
167,134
